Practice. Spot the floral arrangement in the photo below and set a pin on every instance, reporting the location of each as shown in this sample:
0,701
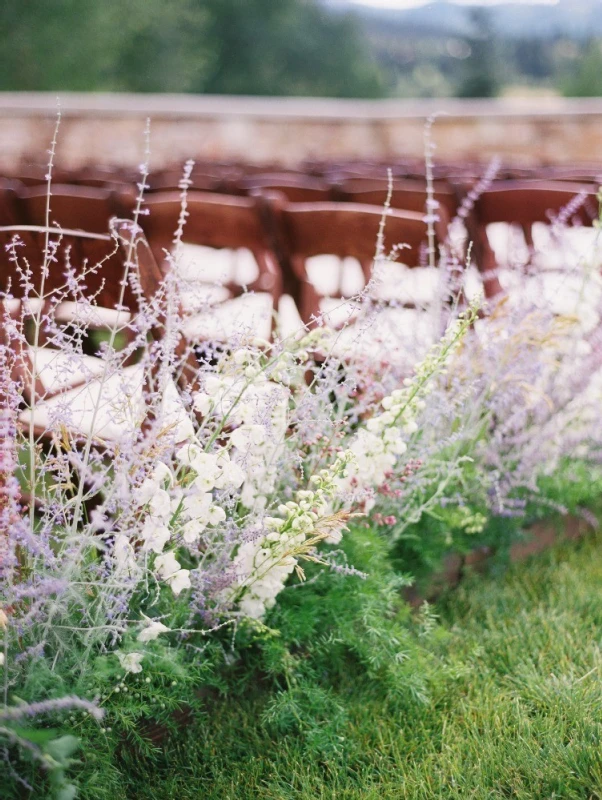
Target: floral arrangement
161,507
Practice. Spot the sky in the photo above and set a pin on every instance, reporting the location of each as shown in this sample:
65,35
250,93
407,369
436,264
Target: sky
414,3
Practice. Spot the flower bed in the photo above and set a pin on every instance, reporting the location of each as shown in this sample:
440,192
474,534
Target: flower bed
170,500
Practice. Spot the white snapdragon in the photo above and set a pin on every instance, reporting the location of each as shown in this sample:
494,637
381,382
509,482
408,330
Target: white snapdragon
160,504
264,565
259,440
231,475
145,492
207,471
130,662
155,535
125,556
152,494
377,446
169,569
179,581
160,477
202,403
152,629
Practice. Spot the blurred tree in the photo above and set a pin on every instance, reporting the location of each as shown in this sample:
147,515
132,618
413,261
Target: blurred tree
480,77
532,57
586,81
285,47
220,46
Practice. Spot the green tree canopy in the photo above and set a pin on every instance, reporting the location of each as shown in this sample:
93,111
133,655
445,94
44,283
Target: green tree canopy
273,47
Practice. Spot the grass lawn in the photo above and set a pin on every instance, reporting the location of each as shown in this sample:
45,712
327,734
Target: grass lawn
515,709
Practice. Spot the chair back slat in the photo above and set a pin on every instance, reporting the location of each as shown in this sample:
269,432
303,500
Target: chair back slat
407,195
217,221
350,229
94,256
528,202
525,203
346,230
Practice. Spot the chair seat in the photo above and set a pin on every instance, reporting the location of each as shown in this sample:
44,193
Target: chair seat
397,336
565,294
212,264
249,316
566,248
395,282
111,411
91,315
329,274
58,370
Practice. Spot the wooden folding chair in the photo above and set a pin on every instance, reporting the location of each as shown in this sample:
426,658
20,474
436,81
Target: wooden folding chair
204,177
117,270
76,208
296,188
234,226
524,203
111,178
346,230
406,195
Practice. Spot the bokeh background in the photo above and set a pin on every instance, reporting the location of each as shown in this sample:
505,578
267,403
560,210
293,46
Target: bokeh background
320,48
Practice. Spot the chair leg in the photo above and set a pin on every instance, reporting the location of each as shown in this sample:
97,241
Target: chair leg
309,306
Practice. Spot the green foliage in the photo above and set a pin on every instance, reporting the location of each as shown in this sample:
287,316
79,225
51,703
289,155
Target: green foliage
39,750
446,527
480,79
514,706
346,693
214,46
586,77
288,47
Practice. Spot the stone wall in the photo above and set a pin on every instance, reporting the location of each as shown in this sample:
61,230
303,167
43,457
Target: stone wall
109,129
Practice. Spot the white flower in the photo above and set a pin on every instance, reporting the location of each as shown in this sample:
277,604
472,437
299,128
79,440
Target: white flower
179,581
130,662
183,430
196,506
160,504
231,475
252,607
243,356
144,493
168,568
191,531
188,452
176,498
1,659
206,467
162,474
166,565
125,555
213,384
155,535
147,490
247,435
216,515
152,630
202,403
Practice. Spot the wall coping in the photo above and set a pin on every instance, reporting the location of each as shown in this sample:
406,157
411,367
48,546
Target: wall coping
75,104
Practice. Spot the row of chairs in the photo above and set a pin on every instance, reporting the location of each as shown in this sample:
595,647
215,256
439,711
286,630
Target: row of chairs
327,176
282,237
282,232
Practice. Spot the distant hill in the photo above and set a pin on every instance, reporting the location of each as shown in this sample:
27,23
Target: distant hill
577,19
